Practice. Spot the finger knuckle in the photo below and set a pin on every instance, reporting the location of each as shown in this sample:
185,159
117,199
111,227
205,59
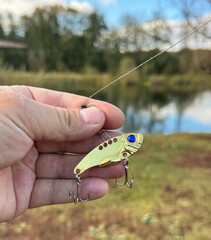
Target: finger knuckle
60,167
68,120
52,192
11,101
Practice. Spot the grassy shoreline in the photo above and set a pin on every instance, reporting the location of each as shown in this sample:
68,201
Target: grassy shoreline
56,80
170,199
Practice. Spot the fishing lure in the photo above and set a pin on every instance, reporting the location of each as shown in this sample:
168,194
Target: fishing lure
107,153
118,148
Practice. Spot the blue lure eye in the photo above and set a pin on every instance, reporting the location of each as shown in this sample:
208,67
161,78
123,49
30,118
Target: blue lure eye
131,138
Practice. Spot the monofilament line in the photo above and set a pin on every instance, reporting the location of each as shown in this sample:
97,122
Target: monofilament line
150,59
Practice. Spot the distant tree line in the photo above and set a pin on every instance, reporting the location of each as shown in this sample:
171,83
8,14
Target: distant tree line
62,39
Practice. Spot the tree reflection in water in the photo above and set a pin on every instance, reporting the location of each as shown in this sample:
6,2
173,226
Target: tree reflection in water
150,109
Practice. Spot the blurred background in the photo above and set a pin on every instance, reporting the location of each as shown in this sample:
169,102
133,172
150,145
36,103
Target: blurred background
78,47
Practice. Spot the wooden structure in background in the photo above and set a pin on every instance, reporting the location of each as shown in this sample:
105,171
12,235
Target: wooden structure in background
9,44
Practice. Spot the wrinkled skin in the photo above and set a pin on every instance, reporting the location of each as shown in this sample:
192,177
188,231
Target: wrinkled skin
36,124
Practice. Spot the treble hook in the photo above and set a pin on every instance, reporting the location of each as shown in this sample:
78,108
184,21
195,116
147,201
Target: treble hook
77,198
126,165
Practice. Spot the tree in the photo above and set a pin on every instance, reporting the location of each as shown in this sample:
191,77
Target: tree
93,48
112,43
13,29
192,11
42,35
134,35
2,34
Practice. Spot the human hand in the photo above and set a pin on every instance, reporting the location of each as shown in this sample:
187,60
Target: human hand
36,124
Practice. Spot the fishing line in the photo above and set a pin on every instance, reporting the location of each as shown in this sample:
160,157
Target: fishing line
150,59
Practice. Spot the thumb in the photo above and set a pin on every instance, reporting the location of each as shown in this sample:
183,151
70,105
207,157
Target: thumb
48,123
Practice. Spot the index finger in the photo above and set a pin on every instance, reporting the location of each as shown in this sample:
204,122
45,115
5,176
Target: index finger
114,117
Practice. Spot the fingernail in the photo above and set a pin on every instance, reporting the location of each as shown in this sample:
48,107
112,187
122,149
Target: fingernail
92,115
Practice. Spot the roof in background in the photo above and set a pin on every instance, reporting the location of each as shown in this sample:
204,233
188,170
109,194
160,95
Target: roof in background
9,44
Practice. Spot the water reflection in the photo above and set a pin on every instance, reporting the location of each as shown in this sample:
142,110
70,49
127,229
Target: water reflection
153,110
192,115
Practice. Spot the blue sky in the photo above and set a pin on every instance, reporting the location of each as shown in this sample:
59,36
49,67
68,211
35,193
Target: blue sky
113,10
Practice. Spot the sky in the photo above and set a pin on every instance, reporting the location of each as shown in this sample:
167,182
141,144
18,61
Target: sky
113,10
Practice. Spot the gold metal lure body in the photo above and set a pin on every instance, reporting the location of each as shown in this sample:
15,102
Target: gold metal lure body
111,151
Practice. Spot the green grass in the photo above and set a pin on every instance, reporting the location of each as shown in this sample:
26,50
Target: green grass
170,199
69,81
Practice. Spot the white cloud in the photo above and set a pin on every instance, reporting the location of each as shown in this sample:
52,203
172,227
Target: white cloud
200,109
20,7
83,7
107,2
178,30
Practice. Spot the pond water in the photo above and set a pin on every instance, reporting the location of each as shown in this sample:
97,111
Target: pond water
165,112
172,117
